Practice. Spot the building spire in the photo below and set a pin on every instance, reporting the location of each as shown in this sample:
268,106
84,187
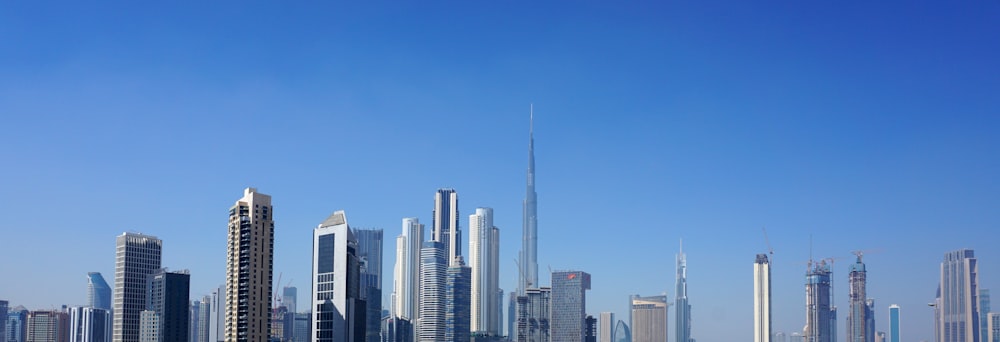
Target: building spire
529,237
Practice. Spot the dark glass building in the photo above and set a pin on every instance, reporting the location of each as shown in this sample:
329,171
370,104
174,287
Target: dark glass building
167,295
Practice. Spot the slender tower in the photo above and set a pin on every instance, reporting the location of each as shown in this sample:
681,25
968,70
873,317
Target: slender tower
445,223
682,325
529,246
249,264
762,299
857,319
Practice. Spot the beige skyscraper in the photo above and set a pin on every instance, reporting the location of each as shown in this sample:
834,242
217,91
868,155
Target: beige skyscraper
649,319
248,268
762,299
484,257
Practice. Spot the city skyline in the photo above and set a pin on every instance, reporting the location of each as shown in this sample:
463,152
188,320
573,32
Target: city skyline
667,121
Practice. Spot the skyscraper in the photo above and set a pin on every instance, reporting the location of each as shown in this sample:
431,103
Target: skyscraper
606,327
98,292
445,223
340,312
894,323
649,319
302,327
430,326
590,329
992,327
3,320
17,325
569,305
529,237
858,318
682,322
458,301
204,315
821,317
48,326
217,315
167,296
249,266
397,329
533,321
290,298
89,324
984,309
484,257
406,287
370,258
622,332
762,299
136,257
957,309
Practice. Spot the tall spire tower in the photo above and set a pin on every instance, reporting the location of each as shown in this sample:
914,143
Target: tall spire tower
529,239
682,323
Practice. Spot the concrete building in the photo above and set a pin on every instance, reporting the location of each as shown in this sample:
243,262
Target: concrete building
336,294
956,305
533,316
16,327
606,327
217,315
88,324
98,292
149,326
590,329
406,283
249,268
430,326
649,319
992,327
569,305
821,316
302,327
136,257
762,299
484,258
199,324
860,320
48,326
445,223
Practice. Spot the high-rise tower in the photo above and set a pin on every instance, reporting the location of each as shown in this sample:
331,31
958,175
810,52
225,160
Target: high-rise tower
98,292
682,322
762,299
430,327
956,309
858,329
485,261
529,236
649,319
821,316
370,258
249,264
894,323
136,257
167,296
406,288
569,305
338,310
445,223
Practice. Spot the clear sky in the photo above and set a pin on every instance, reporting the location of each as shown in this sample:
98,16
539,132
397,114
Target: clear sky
866,125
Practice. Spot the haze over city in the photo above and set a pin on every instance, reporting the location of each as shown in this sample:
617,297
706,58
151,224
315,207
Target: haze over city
837,127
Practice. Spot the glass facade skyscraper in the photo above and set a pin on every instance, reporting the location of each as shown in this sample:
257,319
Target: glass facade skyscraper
136,257
339,311
956,307
88,324
167,296
984,309
370,259
98,292
430,326
894,323
569,305
528,274
821,316
458,302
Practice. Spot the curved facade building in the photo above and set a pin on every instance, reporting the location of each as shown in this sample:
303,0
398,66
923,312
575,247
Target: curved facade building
622,333
98,292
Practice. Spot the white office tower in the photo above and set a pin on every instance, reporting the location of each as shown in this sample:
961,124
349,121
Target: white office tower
445,223
762,299
606,327
406,280
136,257
484,249
88,324
956,309
336,283
649,319
430,327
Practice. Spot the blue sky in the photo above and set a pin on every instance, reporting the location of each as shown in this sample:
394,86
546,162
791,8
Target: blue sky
864,125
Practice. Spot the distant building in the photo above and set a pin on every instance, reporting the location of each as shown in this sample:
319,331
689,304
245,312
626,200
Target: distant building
17,325
682,319
512,314
984,309
649,319
136,257
458,300
430,326
569,305
397,329
590,329
606,327
782,337
249,267
406,283
217,315
821,316
880,336
370,259
3,320
290,298
622,332
88,324
149,326
860,323
533,318
48,326
992,327
98,292
762,299
340,312
894,323
956,306
167,296
302,327
484,258
445,227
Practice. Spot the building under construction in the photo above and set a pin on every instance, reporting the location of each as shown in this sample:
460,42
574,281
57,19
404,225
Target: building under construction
821,316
